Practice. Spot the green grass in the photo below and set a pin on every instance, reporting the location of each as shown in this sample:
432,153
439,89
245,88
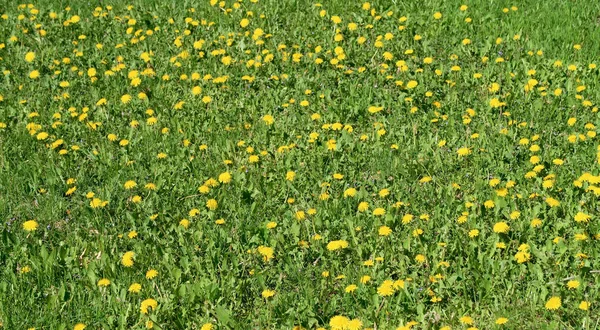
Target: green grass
210,273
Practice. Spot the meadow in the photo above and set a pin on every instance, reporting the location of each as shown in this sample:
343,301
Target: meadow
293,164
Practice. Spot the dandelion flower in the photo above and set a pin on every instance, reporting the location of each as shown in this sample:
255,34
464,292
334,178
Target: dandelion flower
350,192
337,245
148,304
466,320
573,284
385,231
386,288
553,303
29,57
290,175
225,177
135,288
127,259
412,84
152,273
379,211
339,322
501,227
104,282
212,204
582,217
268,119
363,206
464,151
30,225
267,293
266,252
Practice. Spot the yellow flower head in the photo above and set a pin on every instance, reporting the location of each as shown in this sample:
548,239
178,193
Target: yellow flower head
30,225
148,305
553,303
127,259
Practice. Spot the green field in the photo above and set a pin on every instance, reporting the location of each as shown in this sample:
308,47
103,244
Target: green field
281,164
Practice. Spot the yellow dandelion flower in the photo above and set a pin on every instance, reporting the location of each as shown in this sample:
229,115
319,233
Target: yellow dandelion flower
553,303
30,225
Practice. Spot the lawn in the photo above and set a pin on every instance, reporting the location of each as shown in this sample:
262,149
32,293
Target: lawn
285,164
